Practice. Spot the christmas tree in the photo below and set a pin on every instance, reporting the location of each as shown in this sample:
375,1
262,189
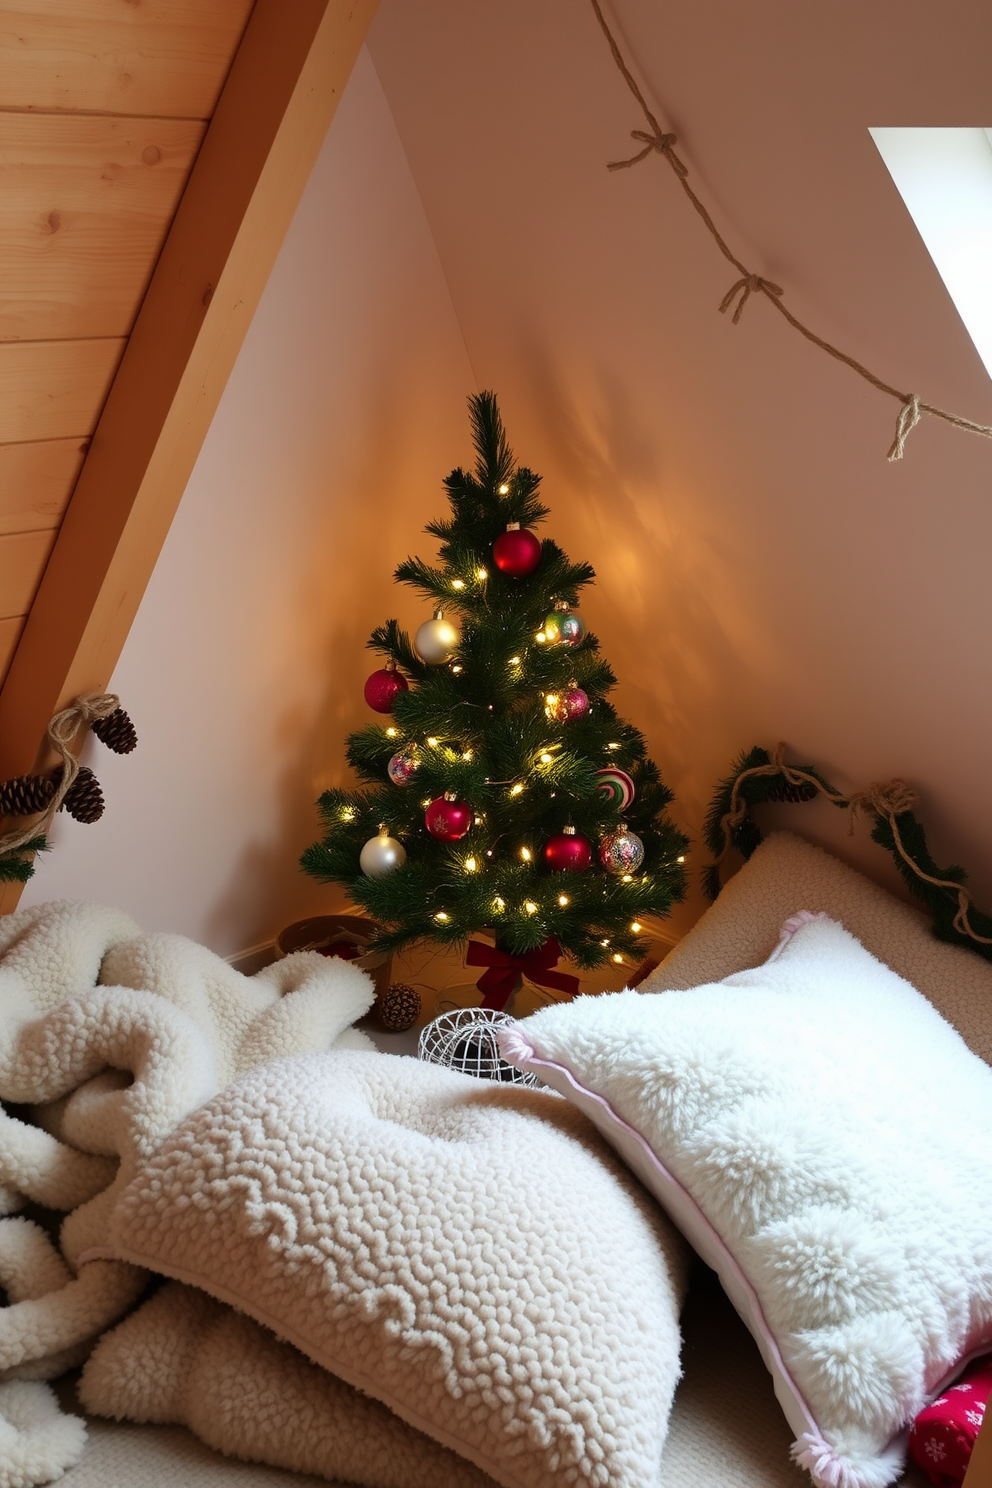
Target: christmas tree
504,793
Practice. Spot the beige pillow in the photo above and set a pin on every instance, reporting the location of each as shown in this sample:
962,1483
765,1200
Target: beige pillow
471,1254
183,1358
786,875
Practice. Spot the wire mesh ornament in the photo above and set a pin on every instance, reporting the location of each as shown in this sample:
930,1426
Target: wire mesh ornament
465,1040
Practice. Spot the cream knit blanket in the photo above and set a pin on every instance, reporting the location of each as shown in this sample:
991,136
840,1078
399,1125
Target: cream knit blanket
110,1038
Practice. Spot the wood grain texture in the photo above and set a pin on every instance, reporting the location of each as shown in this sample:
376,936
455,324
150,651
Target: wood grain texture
54,389
278,101
85,205
979,1474
36,481
159,57
10,631
23,556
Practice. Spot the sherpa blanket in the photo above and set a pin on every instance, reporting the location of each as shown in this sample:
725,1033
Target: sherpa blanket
110,1038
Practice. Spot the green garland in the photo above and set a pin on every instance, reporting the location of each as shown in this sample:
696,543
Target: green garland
757,777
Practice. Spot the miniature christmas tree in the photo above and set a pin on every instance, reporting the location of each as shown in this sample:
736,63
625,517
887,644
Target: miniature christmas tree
504,793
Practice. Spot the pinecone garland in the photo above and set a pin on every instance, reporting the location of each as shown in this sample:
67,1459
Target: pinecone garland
116,731
84,798
786,791
399,1007
26,795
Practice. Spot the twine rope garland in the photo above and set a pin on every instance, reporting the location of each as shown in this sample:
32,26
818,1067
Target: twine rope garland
889,800
62,730
655,140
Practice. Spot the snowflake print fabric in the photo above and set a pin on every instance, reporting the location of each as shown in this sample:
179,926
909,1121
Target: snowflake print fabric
943,1435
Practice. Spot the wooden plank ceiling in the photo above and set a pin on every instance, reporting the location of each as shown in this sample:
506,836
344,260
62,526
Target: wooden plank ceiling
103,107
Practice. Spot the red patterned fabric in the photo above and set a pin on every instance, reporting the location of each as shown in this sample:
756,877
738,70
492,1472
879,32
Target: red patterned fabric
942,1436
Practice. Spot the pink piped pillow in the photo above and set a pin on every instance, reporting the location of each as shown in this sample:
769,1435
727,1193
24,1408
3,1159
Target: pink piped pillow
942,1436
792,1120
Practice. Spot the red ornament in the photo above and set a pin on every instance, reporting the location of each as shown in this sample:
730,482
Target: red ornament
517,552
447,818
382,688
567,852
562,707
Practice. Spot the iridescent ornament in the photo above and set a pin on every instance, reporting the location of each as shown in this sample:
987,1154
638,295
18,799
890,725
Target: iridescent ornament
382,688
617,786
437,640
382,854
447,818
564,626
517,552
571,702
621,851
403,765
567,852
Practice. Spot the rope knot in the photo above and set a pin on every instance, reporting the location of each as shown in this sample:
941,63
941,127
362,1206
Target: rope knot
747,285
890,799
655,140
909,417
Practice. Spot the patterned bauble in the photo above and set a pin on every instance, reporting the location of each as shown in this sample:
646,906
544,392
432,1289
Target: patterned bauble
381,855
437,640
571,702
383,686
403,765
564,626
617,786
517,552
567,852
621,851
447,818
398,1007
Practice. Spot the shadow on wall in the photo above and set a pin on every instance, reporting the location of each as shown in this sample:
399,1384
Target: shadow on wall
345,589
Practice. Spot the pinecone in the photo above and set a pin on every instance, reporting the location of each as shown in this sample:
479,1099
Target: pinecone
26,795
399,1007
84,798
116,731
786,791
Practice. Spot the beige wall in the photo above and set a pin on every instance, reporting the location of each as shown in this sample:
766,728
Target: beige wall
245,665
764,573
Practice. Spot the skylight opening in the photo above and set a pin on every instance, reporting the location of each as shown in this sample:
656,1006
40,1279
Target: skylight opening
944,176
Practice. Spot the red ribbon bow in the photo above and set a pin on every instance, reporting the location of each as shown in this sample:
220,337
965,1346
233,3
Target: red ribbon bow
498,982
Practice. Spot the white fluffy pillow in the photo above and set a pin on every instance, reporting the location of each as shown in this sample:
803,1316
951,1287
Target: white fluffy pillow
471,1254
822,1136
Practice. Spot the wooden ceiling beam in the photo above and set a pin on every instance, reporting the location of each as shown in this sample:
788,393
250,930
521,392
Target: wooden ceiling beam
275,109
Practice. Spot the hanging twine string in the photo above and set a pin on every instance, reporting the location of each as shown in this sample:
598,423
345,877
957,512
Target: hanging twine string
890,801
656,141
62,730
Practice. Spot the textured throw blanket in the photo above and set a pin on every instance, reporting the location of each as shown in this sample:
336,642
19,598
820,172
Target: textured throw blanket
108,1039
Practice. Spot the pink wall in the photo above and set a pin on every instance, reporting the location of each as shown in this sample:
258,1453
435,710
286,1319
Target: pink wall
245,665
764,573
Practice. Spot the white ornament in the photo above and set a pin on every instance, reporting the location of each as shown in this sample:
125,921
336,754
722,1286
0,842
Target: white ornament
381,855
437,640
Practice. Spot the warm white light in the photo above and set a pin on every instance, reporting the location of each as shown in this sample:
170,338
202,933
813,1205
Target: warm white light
499,905
470,865
427,802
458,583
514,661
433,743
618,958
348,814
563,900
478,820
456,670
467,755
481,574
613,746
516,789
636,927
441,916
604,942
489,852
546,758
390,733
627,878
540,638
504,489
525,854
680,860
530,906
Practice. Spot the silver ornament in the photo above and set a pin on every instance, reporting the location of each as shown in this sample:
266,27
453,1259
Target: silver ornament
621,851
381,855
437,640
